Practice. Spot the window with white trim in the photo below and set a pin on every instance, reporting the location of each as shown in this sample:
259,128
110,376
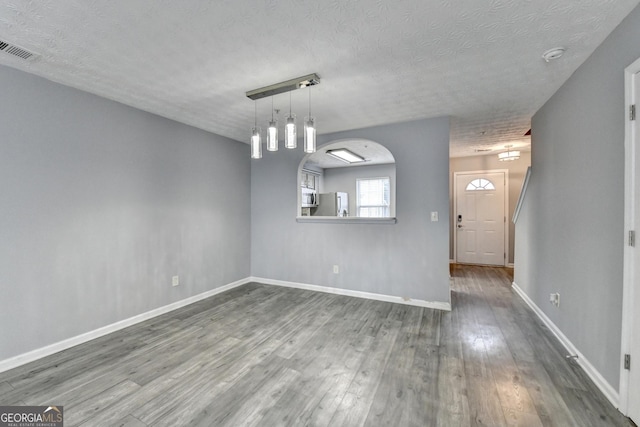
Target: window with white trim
373,197
480,184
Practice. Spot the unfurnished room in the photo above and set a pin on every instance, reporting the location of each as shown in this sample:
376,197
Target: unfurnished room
338,213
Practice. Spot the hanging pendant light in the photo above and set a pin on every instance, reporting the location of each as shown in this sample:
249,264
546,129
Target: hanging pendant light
290,137
256,145
272,132
290,129
309,131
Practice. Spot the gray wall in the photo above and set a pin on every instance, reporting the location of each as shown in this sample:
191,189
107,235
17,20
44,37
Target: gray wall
408,259
344,179
570,236
101,204
517,170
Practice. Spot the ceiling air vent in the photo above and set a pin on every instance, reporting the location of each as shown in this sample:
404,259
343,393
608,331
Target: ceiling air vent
14,50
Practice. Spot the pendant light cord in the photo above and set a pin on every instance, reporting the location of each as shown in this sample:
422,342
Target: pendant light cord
255,115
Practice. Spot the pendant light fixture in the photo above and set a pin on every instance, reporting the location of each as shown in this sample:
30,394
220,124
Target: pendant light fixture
309,131
290,137
272,132
256,145
290,132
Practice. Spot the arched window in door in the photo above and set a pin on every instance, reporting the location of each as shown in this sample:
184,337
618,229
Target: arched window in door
480,184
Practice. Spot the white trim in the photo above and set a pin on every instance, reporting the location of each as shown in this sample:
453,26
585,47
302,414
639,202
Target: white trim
39,353
523,191
505,208
438,305
610,393
629,280
345,220
452,261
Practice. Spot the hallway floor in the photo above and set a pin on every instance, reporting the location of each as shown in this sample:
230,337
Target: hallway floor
516,371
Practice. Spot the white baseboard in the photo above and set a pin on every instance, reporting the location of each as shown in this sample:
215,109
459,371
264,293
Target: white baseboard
39,353
36,354
606,388
510,265
438,305
452,261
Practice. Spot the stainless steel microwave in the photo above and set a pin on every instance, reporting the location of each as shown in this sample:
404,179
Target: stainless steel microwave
309,198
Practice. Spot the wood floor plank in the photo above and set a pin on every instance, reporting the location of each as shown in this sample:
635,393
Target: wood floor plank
422,402
226,406
363,388
430,327
394,395
75,391
299,333
84,411
452,396
130,421
550,405
450,334
521,349
176,390
254,408
5,388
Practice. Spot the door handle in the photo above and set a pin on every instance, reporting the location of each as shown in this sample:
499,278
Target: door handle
459,225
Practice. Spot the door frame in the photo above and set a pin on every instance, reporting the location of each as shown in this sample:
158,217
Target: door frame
631,279
456,175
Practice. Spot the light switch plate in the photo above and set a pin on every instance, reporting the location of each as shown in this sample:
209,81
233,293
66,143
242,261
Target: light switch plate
434,216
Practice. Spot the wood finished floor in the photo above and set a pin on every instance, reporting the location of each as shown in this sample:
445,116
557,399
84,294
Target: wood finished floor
271,356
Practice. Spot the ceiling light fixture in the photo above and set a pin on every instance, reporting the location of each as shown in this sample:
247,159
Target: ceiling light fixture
286,86
554,53
309,131
290,138
508,155
346,155
272,132
290,134
256,145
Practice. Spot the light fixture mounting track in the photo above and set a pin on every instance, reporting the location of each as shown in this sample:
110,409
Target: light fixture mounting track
286,86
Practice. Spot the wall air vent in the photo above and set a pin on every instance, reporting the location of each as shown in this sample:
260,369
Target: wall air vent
17,51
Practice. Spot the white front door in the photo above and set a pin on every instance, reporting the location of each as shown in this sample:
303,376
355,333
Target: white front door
479,220
631,295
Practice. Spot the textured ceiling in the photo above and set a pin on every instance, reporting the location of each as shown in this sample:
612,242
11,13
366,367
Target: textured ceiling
380,61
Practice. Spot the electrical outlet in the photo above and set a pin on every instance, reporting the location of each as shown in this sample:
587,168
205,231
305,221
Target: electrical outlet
336,269
434,216
175,280
554,299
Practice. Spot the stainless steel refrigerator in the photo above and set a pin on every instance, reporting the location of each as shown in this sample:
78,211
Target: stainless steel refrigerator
333,204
